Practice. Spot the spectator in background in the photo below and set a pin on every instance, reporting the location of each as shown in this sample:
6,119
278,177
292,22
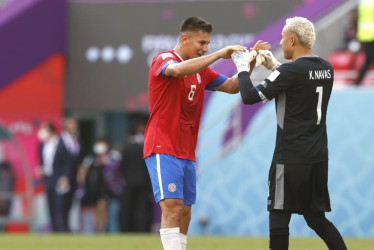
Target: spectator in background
7,180
102,184
365,34
350,36
351,43
54,171
73,156
138,204
114,187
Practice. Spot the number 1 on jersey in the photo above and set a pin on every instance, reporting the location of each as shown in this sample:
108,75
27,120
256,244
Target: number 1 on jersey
319,104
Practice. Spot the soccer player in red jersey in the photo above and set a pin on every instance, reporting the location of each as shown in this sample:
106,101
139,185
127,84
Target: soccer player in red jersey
177,81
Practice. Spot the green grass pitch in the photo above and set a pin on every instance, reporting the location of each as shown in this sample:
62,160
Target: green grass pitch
152,242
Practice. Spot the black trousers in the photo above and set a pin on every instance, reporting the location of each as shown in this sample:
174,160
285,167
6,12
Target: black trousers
58,218
279,230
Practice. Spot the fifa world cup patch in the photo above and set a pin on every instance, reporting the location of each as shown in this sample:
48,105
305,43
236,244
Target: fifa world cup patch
172,187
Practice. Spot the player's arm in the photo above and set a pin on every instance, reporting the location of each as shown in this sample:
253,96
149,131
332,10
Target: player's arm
231,85
275,84
246,62
195,65
249,93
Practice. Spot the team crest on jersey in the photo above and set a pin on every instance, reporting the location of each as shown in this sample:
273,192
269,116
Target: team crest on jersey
172,187
198,78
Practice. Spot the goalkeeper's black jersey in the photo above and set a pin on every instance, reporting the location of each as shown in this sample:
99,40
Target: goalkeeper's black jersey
302,91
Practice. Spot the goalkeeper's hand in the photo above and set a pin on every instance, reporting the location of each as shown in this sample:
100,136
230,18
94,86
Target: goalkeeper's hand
242,59
266,58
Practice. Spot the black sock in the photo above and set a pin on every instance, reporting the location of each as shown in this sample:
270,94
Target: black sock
279,231
278,242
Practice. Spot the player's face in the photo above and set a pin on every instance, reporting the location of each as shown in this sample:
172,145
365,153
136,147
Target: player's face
196,44
286,43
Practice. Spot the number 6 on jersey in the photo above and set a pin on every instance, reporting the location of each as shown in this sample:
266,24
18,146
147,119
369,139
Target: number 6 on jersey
192,92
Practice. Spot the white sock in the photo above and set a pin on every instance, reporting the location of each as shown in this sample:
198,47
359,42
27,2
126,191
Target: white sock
183,241
170,238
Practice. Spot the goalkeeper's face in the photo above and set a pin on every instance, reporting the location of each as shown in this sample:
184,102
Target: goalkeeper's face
196,43
286,44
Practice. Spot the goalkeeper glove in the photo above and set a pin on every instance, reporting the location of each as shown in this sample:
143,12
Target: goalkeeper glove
266,58
243,59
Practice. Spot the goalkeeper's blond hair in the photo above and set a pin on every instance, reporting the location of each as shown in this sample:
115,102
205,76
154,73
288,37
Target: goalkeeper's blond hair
303,28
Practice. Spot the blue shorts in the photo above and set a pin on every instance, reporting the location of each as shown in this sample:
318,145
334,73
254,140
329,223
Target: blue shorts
172,178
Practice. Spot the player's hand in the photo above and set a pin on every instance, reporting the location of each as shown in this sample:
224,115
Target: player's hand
63,185
260,45
226,52
39,174
266,58
242,59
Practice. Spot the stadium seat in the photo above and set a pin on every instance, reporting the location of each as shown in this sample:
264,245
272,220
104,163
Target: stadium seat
347,65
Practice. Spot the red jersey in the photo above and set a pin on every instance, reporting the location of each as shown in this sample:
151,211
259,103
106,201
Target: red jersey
175,105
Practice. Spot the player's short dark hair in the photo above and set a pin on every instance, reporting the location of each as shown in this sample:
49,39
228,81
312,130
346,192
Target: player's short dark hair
196,24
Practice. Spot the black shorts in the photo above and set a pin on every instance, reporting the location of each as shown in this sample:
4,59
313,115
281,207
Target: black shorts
299,188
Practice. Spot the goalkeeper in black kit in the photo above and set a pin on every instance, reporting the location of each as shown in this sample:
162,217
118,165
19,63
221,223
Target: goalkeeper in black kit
299,169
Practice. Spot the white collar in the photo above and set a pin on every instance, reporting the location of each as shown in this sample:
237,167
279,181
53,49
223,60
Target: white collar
178,55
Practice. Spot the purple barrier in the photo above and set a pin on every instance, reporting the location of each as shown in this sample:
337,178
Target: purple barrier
30,31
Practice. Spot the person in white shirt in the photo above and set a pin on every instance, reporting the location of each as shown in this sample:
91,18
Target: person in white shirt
54,172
